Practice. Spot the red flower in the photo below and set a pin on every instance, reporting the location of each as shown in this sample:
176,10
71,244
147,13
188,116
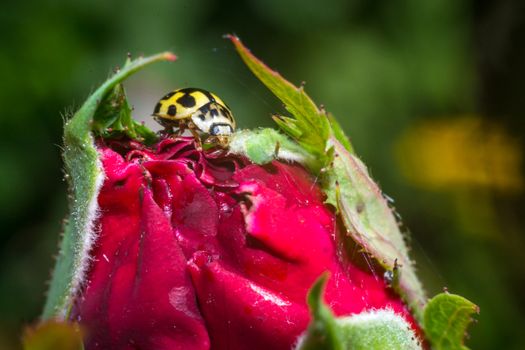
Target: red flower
198,250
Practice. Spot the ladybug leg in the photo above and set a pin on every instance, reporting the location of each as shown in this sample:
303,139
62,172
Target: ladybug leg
168,127
222,141
166,132
181,127
180,130
193,129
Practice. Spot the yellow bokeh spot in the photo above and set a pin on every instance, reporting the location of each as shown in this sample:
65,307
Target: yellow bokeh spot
459,152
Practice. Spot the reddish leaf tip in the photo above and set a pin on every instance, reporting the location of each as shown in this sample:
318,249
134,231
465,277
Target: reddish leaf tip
170,56
234,38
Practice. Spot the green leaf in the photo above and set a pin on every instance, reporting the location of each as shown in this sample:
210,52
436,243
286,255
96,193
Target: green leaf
262,146
113,119
310,127
369,330
366,215
85,177
446,319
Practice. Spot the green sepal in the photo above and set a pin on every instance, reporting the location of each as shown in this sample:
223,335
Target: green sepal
339,134
289,126
113,119
312,123
344,178
446,319
85,176
264,145
323,331
370,222
369,330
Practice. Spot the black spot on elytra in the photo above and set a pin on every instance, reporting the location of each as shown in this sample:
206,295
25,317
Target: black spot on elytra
226,113
168,95
208,95
204,92
172,110
214,112
186,100
157,108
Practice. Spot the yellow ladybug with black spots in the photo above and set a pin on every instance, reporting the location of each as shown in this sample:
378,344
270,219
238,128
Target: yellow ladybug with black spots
200,111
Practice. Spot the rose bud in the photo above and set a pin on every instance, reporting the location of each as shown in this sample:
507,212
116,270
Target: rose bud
196,248
214,240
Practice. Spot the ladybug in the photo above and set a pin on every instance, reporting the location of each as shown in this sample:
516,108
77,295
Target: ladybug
201,112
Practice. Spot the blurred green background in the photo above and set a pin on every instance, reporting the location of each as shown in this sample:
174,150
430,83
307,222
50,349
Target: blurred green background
430,92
